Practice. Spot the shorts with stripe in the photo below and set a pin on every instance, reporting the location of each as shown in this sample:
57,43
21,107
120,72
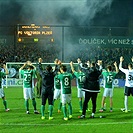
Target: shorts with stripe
2,94
57,93
65,98
28,93
81,93
108,92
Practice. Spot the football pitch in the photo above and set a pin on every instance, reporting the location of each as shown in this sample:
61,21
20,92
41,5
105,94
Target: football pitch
17,121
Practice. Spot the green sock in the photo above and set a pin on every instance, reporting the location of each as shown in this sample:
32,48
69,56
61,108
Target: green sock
50,110
80,104
60,105
5,104
70,108
27,105
64,110
42,109
34,103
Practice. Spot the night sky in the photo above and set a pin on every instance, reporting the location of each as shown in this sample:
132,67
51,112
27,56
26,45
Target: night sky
115,13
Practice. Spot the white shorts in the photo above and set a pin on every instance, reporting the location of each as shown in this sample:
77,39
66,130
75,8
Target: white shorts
81,94
28,93
57,93
65,98
2,94
108,92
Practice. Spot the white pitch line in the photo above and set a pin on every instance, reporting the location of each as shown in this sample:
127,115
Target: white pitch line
70,124
73,108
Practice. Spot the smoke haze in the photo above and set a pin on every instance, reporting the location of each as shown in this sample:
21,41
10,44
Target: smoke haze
65,12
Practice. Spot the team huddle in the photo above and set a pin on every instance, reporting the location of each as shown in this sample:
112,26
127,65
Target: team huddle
56,84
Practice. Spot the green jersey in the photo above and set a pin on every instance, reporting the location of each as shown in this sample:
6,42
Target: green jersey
57,82
2,74
28,76
65,81
108,78
80,76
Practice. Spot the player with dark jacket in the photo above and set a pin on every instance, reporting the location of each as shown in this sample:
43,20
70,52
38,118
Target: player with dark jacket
47,86
91,86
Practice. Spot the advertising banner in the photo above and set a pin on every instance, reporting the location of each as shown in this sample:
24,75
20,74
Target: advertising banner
12,82
116,83
19,82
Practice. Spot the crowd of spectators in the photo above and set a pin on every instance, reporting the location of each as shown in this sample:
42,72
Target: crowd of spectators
108,54
24,52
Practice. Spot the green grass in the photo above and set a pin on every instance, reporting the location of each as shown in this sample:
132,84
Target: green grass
17,121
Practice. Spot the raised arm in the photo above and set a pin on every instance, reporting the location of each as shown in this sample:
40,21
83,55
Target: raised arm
121,60
120,65
40,69
32,65
116,68
72,68
83,69
99,63
78,60
88,63
21,68
6,70
57,63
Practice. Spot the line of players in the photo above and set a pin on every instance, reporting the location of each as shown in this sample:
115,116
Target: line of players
57,84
